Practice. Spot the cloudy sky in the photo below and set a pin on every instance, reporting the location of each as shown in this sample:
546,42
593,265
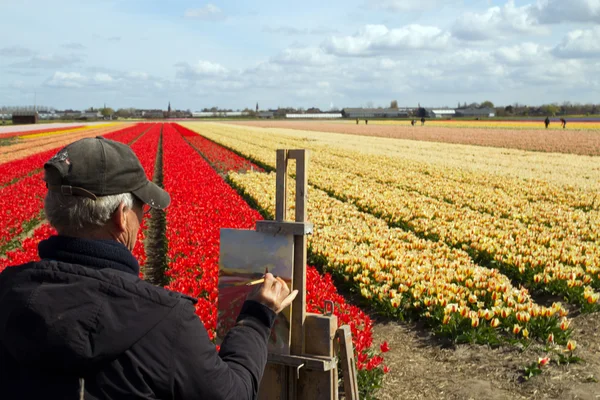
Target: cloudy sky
325,53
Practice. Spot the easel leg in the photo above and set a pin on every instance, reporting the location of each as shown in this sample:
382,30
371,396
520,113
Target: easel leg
348,364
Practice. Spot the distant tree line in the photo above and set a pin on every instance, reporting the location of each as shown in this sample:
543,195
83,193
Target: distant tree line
553,109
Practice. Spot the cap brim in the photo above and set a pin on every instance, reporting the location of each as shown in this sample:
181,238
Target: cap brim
153,195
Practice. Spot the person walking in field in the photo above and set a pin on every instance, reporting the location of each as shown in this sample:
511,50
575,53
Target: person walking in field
547,122
80,323
422,121
412,122
563,122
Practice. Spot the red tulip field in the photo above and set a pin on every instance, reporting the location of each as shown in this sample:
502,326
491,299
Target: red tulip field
202,203
466,260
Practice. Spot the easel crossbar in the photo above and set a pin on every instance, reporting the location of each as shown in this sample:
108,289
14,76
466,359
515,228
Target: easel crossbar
313,363
284,228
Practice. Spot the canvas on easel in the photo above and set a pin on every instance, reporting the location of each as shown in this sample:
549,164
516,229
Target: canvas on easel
244,256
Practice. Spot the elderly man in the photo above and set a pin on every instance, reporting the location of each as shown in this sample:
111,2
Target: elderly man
80,323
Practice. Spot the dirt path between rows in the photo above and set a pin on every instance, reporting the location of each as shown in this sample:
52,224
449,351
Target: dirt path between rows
425,370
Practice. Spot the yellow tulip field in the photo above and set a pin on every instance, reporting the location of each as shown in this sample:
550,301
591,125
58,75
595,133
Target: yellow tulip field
462,247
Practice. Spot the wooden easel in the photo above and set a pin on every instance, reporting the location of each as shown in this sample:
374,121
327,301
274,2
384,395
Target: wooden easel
311,370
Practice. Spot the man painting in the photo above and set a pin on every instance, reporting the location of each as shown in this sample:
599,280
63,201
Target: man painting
80,323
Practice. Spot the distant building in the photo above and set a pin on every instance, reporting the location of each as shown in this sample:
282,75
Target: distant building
441,113
476,112
265,114
90,115
314,115
219,114
374,113
25,117
70,114
152,114
45,115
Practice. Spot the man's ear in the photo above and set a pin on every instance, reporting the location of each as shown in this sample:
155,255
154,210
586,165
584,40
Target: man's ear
119,217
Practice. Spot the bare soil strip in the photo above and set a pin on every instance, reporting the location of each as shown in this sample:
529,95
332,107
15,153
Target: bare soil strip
156,236
425,370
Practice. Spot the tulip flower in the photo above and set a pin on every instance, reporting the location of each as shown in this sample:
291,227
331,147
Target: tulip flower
384,347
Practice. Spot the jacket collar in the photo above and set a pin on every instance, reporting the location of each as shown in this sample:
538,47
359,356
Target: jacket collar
98,254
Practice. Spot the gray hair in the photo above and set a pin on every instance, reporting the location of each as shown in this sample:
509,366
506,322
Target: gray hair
72,214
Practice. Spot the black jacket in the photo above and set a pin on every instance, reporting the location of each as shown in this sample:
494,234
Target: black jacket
82,315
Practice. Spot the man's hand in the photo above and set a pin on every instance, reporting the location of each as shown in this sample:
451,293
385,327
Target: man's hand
273,293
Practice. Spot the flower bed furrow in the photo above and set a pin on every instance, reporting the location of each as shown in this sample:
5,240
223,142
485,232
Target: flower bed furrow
145,148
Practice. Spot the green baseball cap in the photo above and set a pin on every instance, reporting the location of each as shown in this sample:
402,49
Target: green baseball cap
96,167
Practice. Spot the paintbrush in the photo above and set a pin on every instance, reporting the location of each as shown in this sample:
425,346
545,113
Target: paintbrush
261,280
256,282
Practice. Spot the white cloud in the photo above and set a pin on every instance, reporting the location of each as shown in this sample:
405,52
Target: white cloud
561,73
208,12
41,61
67,80
579,44
377,39
410,5
335,57
476,60
103,78
386,63
557,11
265,67
292,31
497,22
202,69
522,54
144,76
303,56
